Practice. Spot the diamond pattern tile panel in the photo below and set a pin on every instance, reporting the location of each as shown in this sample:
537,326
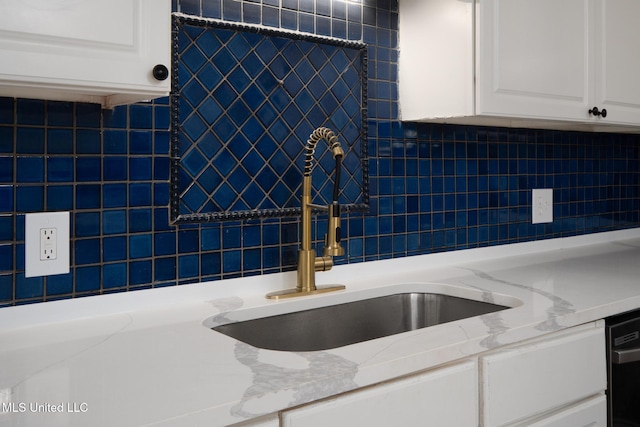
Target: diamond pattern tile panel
245,102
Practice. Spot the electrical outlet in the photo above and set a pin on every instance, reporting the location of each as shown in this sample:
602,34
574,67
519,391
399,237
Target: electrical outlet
542,206
46,244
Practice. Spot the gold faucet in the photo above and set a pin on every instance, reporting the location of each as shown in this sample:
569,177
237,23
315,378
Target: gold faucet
308,262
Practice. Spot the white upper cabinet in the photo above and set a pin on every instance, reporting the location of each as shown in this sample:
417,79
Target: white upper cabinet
618,63
101,51
539,63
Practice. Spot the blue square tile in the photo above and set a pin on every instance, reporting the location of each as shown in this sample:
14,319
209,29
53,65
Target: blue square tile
114,248
6,139
161,117
139,220
60,169
140,116
140,272
251,259
140,168
164,243
88,279
270,17
191,7
210,239
140,246
6,258
88,141
59,113
87,224
140,194
114,222
140,142
231,10
165,269
28,199
188,266
6,287
87,251
6,169
161,193
210,264
59,141
188,241
6,227
60,284
30,112
29,140
88,115
115,142
114,195
161,219
115,168
88,196
88,169
114,275
231,261
30,169
212,9
251,13
28,288
7,110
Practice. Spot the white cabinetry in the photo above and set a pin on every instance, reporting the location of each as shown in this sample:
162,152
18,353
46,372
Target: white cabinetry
544,376
554,381
444,397
102,51
539,63
591,412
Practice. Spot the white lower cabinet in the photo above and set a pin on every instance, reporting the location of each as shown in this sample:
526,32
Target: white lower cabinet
557,380
544,375
443,397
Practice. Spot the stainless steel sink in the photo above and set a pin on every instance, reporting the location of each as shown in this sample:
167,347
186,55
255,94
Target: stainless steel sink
343,324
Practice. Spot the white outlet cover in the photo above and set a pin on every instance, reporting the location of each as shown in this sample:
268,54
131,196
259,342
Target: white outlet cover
34,222
542,206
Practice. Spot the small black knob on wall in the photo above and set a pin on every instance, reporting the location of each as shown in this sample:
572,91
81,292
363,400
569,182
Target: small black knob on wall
597,112
160,72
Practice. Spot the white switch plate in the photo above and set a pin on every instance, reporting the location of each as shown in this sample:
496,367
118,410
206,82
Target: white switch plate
542,206
45,257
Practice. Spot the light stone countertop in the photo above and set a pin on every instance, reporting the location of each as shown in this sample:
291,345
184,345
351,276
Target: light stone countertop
149,357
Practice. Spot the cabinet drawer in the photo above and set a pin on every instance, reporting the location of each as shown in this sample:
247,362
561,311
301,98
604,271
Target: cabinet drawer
526,380
443,397
588,413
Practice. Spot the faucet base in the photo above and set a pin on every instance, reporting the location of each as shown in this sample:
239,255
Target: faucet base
292,293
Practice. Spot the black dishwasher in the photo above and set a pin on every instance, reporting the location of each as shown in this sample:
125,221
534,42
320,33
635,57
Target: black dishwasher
623,366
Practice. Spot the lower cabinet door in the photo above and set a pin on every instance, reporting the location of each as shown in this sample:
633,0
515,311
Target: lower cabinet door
443,397
588,413
535,378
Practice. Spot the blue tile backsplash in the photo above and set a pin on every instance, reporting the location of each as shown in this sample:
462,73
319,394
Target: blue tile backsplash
433,188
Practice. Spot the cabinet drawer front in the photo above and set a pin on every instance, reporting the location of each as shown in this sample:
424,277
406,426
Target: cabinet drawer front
527,380
588,413
444,397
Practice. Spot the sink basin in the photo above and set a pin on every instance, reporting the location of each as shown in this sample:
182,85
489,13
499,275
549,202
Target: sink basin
353,322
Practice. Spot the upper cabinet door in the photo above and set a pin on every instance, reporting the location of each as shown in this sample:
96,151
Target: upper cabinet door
100,51
569,64
617,48
533,59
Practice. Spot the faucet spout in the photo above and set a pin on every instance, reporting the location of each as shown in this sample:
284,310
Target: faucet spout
308,262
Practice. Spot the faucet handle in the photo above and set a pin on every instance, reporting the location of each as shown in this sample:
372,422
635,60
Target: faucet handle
332,246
